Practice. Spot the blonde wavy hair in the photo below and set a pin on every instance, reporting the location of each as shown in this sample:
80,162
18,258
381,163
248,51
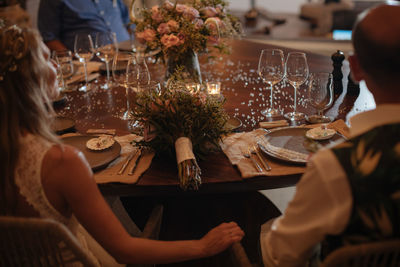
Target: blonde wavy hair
24,102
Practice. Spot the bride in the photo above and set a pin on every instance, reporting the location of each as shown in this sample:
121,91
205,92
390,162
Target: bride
41,177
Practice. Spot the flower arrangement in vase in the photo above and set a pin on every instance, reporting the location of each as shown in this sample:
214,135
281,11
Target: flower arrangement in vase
184,123
179,31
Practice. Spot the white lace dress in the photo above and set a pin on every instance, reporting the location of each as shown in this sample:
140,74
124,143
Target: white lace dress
29,183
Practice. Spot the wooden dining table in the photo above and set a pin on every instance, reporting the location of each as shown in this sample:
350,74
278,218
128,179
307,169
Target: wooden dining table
246,95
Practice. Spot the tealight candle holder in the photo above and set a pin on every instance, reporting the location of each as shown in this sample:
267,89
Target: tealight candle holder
193,87
214,88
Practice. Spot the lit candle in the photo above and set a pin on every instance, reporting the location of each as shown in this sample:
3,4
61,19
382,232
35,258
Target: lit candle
214,88
193,87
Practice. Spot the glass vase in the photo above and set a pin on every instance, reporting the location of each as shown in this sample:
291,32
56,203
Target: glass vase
183,66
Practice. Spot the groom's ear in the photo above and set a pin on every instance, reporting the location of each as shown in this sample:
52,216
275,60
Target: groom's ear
356,71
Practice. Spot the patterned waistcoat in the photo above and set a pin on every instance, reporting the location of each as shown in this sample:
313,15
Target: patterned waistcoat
372,164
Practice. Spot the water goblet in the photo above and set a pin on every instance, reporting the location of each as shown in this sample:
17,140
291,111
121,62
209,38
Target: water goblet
119,72
271,69
296,72
84,50
137,79
106,45
65,67
320,95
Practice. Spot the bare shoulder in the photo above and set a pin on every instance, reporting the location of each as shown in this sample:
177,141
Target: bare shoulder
65,159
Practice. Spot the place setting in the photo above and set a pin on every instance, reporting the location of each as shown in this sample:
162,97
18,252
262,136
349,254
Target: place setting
112,158
285,148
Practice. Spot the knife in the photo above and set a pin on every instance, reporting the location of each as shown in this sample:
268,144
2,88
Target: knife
135,161
127,161
263,161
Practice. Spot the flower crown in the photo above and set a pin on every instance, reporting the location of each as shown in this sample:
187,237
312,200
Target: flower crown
12,39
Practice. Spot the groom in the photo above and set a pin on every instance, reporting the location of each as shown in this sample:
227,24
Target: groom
350,193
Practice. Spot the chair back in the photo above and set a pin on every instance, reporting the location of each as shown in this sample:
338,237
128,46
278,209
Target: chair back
382,253
39,242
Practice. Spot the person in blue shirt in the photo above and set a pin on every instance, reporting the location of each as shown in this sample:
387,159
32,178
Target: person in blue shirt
60,20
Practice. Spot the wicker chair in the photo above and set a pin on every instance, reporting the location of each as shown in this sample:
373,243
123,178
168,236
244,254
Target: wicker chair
36,242
383,254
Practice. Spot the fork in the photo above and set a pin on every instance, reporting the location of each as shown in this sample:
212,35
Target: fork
248,155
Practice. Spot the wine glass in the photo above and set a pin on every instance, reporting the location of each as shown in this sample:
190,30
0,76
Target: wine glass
296,72
320,95
271,69
106,45
119,72
65,67
137,80
83,50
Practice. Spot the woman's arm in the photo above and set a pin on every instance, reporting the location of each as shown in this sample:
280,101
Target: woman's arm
73,180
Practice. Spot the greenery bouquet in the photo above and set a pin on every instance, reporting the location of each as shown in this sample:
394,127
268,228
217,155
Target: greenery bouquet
182,123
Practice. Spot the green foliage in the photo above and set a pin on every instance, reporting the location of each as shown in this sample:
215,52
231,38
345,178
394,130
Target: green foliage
175,113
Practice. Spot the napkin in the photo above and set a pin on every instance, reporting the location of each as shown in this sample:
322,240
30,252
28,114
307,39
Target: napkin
110,174
79,74
232,146
273,124
101,131
339,125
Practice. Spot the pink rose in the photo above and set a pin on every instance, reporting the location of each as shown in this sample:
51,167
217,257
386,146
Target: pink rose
169,40
209,12
198,24
148,35
156,14
191,13
173,25
168,5
214,25
181,38
180,8
163,28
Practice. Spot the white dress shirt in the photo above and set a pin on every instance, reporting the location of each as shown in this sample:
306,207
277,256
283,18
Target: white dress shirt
323,201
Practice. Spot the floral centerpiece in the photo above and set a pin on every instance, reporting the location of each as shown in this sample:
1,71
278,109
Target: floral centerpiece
179,31
182,123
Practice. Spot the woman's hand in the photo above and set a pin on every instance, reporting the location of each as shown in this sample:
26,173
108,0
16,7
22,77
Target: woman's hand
220,238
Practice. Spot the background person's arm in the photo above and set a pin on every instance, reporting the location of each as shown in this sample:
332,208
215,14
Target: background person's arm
49,23
55,45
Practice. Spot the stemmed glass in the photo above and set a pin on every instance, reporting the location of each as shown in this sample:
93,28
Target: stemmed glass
320,95
119,73
83,50
137,80
271,69
65,67
296,71
106,45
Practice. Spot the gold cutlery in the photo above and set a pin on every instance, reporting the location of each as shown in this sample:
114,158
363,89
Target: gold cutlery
135,161
130,157
261,158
